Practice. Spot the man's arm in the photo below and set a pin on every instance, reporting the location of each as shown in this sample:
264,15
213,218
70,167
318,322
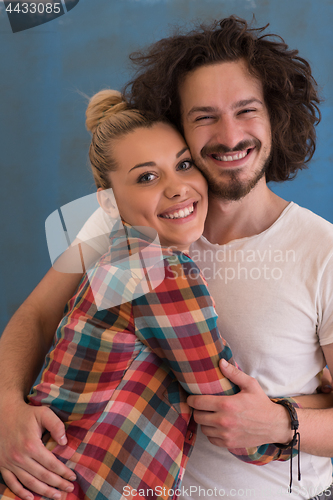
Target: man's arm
316,425
23,346
250,418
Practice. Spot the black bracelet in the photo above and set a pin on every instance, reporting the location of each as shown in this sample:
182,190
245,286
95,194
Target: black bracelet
296,437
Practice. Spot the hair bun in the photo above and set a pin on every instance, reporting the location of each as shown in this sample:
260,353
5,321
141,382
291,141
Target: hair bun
102,105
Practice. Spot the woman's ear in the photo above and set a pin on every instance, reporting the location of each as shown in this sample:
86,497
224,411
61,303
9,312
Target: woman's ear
106,199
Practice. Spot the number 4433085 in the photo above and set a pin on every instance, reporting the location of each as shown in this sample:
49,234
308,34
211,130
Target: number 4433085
34,8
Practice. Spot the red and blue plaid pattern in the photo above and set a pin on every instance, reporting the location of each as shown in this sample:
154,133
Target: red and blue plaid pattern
119,377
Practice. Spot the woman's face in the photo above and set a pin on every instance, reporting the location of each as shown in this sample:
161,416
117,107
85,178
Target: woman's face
157,185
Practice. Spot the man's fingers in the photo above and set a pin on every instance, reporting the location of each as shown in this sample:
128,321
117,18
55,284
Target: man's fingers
216,442
47,419
44,482
39,478
28,461
40,481
37,486
16,487
237,376
51,470
205,403
325,382
50,421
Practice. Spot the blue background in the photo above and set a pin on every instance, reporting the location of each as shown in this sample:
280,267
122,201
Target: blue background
46,70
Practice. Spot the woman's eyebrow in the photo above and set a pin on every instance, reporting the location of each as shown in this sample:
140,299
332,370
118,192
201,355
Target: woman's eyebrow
146,164
153,164
181,152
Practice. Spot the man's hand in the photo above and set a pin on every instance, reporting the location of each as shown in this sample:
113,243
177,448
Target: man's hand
325,382
243,420
23,457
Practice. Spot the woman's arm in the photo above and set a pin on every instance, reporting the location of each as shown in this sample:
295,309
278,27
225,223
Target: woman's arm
23,346
177,320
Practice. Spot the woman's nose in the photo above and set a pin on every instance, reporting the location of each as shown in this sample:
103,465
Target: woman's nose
174,189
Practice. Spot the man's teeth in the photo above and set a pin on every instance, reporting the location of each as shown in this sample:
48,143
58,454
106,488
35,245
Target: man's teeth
238,156
180,214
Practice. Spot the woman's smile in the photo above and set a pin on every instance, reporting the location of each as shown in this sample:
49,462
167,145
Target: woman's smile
156,184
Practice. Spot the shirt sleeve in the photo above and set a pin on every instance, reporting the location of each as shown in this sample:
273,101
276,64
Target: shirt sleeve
96,231
178,321
325,304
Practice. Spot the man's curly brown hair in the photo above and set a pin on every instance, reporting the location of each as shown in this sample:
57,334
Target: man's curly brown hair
290,90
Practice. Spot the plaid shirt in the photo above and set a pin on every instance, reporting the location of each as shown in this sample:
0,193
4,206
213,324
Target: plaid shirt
119,377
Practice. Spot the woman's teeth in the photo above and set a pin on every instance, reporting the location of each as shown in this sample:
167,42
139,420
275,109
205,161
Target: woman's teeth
238,156
180,214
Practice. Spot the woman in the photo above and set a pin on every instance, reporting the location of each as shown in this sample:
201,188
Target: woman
111,374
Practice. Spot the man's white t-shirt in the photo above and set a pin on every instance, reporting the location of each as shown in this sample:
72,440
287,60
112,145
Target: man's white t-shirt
274,298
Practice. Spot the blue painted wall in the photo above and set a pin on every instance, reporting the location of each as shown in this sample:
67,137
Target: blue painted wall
45,71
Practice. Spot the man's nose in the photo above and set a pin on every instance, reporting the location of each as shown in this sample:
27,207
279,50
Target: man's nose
229,132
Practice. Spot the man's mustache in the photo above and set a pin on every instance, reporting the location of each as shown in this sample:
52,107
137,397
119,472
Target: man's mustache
218,149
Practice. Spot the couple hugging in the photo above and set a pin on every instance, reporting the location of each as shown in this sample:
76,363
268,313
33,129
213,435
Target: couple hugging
118,379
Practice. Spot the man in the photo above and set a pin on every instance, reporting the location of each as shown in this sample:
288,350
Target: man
247,107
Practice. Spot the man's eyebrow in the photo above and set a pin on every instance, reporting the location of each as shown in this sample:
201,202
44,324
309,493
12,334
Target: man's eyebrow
153,164
212,109
201,109
246,102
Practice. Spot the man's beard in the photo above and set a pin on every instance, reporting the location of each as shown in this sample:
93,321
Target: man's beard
232,189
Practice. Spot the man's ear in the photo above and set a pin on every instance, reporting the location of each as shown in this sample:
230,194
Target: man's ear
106,199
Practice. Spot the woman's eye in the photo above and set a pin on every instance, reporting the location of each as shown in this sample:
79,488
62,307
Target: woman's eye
185,165
148,177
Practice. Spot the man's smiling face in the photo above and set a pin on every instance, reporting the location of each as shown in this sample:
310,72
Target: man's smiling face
227,127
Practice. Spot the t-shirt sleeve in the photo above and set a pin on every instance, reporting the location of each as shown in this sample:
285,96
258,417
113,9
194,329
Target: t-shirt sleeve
96,231
325,304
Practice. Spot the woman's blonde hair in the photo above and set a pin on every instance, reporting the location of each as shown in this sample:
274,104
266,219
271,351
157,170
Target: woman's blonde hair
108,117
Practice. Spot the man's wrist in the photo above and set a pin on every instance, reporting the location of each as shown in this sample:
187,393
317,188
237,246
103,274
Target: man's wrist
284,433
294,423
295,441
